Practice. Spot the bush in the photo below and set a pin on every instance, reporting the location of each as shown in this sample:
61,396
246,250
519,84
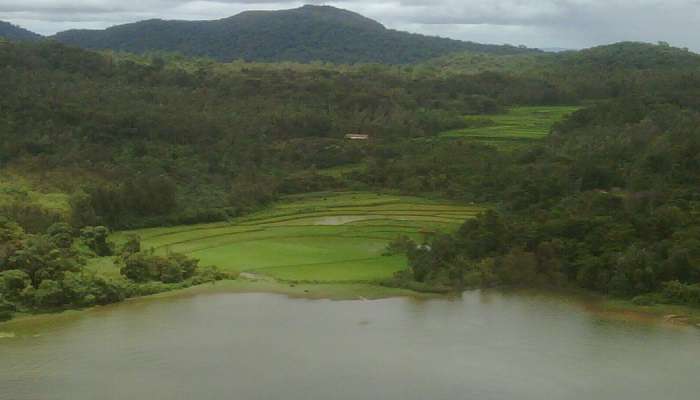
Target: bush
33,218
13,282
130,247
680,293
401,245
140,267
49,294
6,309
61,235
95,238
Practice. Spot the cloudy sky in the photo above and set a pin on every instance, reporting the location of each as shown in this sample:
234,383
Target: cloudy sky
535,23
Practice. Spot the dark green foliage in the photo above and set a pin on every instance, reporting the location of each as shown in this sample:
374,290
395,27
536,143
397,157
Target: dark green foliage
11,236
309,33
677,292
61,235
44,272
33,218
41,259
146,267
84,289
13,32
49,294
145,143
401,245
13,283
97,239
131,246
609,203
7,309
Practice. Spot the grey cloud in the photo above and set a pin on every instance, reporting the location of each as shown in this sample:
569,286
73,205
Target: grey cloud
540,23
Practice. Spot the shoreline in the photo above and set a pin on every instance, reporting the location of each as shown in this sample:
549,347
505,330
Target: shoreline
311,291
588,302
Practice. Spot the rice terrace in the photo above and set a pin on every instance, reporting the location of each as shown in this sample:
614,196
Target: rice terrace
319,238
517,125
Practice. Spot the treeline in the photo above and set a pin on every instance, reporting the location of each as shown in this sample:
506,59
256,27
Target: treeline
46,272
609,202
602,72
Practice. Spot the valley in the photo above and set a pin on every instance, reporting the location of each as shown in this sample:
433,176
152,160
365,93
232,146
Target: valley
307,203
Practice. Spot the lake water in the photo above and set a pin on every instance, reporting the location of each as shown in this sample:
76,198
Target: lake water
486,345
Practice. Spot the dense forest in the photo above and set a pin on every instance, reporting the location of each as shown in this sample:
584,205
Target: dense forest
309,33
608,202
145,131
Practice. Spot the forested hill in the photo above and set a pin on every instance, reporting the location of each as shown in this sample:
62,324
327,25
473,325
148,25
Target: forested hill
608,202
309,33
13,32
622,57
630,56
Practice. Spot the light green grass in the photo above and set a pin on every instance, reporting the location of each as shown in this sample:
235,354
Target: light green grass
15,189
520,124
319,237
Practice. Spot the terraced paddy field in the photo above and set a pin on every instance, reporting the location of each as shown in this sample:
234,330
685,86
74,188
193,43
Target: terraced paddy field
320,238
520,124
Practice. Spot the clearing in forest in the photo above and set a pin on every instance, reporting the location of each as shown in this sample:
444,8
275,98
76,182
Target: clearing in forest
520,124
321,237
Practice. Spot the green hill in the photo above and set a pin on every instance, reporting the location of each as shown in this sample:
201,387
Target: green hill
304,34
623,56
13,32
629,56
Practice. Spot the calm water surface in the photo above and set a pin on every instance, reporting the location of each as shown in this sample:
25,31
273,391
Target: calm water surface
263,346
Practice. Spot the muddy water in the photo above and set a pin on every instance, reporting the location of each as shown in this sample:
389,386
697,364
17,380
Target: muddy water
261,346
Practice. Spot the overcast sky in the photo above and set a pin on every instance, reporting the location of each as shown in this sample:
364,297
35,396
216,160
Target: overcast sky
535,23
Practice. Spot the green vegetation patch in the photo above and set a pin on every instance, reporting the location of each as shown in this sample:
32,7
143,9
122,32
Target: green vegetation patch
518,125
15,189
318,237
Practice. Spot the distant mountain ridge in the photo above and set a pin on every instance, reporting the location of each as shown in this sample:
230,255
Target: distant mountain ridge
309,33
9,31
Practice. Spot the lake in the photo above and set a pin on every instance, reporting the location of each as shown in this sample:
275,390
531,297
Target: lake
485,345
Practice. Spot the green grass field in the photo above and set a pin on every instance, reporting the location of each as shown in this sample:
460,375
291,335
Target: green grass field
520,124
321,237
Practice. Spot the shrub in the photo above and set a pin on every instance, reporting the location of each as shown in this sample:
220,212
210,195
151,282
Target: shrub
677,292
173,268
49,294
61,235
130,247
96,238
401,245
7,309
13,282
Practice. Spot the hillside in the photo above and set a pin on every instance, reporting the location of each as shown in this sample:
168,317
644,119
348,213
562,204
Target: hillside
304,34
629,55
607,201
622,56
13,32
